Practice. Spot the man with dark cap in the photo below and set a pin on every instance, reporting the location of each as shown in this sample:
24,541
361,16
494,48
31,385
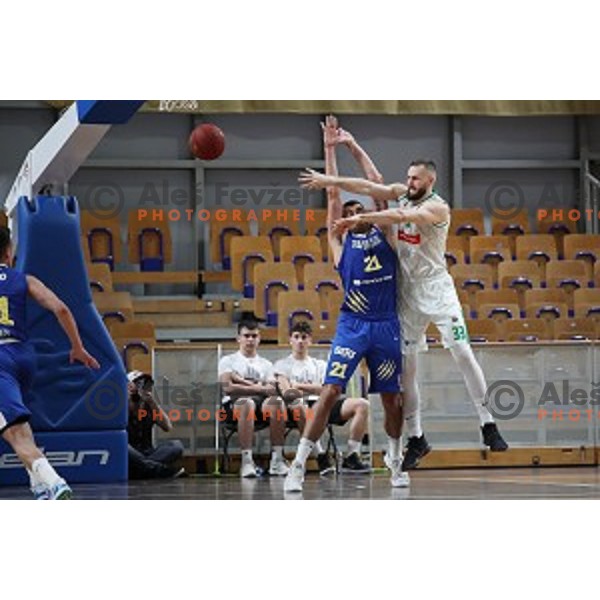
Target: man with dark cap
147,461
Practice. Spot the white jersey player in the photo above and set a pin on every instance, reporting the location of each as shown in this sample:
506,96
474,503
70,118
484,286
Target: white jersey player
427,290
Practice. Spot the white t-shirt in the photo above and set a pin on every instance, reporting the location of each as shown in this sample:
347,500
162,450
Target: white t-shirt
256,369
310,370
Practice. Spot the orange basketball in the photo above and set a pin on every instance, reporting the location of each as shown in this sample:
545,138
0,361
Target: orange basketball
207,142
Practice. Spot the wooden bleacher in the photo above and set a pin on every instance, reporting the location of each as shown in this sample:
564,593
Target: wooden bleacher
525,286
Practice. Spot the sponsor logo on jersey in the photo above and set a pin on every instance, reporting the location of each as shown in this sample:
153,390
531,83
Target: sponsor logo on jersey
343,351
409,238
369,243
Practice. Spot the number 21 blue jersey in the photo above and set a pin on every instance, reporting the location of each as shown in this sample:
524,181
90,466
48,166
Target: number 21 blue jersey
369,270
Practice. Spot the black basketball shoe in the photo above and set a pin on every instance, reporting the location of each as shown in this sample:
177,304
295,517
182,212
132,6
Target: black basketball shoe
416,449
353,464
493,438
325,463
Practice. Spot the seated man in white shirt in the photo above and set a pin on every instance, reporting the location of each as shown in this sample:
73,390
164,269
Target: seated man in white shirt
300,374
249,398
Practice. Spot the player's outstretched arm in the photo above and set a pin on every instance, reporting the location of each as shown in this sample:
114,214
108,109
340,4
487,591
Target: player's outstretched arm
384,218
360,156
313,180
431,214
49,300
334,201
426,215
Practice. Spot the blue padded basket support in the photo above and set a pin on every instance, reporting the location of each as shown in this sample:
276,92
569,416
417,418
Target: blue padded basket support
83,457
49,248
63,397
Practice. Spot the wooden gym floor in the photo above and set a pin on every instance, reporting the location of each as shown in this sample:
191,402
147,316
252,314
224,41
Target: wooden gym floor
463,484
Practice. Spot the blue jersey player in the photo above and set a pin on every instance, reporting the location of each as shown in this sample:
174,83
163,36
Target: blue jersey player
368,327
17,368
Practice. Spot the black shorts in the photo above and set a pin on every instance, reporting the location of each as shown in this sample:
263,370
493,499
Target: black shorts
335,416
231,419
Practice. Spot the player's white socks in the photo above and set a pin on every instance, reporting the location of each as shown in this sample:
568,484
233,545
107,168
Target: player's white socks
305,447
353,447
318,449
394,448
246,455
277,452
412,398
43,472
34,480
474,379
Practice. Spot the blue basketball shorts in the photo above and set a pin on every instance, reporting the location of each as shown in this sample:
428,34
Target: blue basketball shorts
17,369
376,341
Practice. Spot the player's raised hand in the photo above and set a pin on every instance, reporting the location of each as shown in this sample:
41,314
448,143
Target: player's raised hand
312,180
344,137
330,131
82,356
